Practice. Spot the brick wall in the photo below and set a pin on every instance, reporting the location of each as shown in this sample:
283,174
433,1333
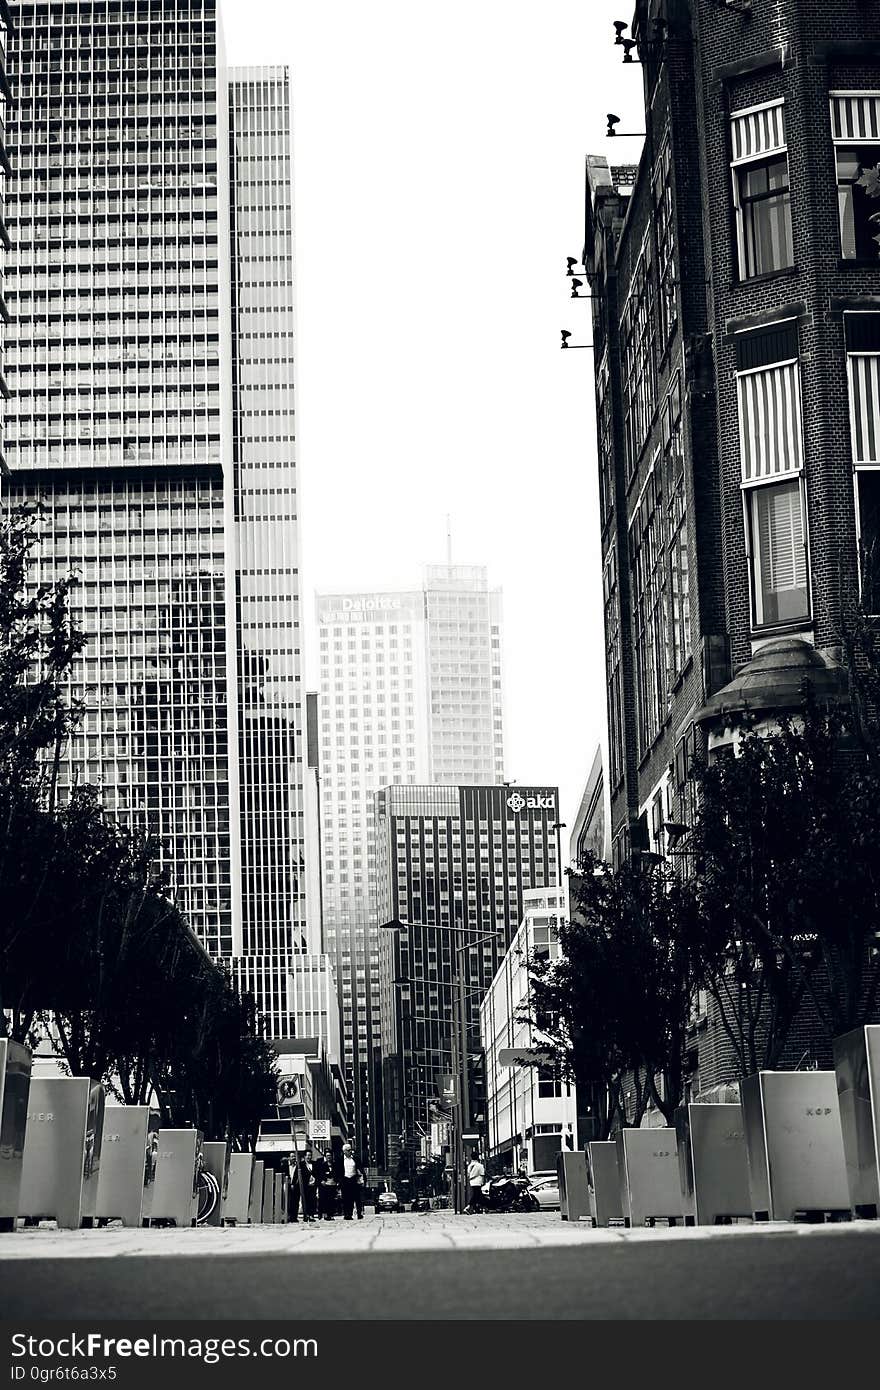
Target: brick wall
715,61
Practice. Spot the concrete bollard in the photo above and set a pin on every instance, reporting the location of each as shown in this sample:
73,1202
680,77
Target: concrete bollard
15,1080
795,1145
62,1150
122,1176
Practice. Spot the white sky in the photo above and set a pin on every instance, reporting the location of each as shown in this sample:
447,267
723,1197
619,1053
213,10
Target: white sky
439,186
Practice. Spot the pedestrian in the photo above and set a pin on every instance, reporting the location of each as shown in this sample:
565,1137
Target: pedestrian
476,1174
308,1186
326,1188
352,1185
293,1188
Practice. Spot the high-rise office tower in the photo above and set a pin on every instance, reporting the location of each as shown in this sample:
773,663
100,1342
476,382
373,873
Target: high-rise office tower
5,173
151,362
271,703
411,686
453,864
463,621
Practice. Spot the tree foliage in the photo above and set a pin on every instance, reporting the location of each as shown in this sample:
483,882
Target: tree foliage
614,1008
788,883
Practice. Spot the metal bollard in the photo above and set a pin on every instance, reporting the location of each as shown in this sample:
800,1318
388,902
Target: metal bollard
15,1080
62,1150
795,1145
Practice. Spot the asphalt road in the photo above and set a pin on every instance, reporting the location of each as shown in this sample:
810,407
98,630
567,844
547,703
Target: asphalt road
832,1273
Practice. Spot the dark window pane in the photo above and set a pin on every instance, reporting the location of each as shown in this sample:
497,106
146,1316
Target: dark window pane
869,537
765,218
858,182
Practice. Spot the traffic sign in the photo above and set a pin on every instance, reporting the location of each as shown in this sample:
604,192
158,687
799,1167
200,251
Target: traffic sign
288,1090
319,1129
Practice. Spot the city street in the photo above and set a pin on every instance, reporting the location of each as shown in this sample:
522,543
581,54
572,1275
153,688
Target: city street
437,1265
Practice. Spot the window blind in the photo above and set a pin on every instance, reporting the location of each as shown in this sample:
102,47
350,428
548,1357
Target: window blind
756,133
855,116
781,539
864,406
770,437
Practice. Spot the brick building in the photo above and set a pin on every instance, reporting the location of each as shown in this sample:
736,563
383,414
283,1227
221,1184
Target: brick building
736,325
737,351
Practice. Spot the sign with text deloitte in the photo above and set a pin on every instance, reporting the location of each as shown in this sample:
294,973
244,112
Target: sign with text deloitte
370,608
530,799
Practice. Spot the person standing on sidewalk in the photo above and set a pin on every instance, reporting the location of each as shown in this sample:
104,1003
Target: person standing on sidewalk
476,1175
352,1184
309,1186
326,1188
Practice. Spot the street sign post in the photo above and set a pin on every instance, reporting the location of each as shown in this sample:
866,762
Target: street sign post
319,1129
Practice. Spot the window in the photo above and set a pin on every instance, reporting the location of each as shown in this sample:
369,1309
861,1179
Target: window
604,441
650,609
779,558
677,535
855,129
549,1083
771,457
862,333
662,183
612,664
638,334
761,191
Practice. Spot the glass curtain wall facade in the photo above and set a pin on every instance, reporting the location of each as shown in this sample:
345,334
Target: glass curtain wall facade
373,730
123,373
263,478
116,419
463,629
5,173
453,864
411,693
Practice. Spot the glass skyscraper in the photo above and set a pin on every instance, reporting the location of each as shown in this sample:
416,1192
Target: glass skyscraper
452,865
411,693
150,363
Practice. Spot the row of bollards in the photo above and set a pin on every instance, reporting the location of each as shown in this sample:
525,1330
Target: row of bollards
800,1146
67,1157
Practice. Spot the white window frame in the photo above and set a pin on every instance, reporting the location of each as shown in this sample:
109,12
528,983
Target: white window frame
859,465
738,162
844,140
750,485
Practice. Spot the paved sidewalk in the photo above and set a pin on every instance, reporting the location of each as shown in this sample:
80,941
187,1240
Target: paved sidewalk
440,1266
416,1232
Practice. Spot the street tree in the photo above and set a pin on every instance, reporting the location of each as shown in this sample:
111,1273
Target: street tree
615,1007
784,869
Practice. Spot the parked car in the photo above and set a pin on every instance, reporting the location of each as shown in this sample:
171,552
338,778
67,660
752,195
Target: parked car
388,1201
545,1188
